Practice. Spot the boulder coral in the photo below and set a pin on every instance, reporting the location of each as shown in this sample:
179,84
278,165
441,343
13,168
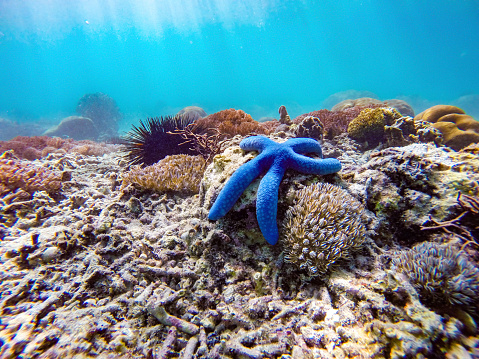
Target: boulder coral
76,127
369,125
458,129
366,102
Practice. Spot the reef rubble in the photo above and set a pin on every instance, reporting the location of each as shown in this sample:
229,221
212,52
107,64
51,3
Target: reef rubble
110,271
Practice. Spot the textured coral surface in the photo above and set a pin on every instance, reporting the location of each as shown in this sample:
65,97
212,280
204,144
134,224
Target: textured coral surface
106,272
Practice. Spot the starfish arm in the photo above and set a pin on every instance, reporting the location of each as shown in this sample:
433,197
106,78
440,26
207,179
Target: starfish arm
310,165
256,143
235,186
304,145
267,203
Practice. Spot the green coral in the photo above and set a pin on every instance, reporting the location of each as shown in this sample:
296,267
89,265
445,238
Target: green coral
369,125
323,226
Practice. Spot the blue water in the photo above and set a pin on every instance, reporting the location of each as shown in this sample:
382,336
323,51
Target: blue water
155,57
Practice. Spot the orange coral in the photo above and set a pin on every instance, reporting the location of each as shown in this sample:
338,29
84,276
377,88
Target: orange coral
230,123
16,174
176,173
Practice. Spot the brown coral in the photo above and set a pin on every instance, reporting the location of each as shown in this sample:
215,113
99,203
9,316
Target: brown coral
458,129
310,127
323,226
176,173
19,175
229,123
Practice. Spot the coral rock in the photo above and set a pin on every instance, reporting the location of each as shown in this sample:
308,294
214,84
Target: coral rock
311,127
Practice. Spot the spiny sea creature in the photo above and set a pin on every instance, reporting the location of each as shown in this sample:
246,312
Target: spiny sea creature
274,159
154,140
324,225
442,276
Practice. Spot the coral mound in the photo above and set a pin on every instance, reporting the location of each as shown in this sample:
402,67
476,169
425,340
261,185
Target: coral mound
369,125
76,127
230,123
177,173
458,129
323,226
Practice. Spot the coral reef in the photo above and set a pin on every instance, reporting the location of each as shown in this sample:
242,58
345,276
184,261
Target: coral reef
334,122
175,173
274,159
441,275
36,147
229,123
107,271
405,131
12,129
459,130
369,125
155,139
324,225
75,127
103,111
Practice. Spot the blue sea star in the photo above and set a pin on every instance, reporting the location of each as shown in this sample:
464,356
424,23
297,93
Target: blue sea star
274,159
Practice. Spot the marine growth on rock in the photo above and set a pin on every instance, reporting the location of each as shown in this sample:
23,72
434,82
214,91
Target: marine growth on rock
323,226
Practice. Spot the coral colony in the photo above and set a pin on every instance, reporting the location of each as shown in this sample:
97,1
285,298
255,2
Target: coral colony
108,256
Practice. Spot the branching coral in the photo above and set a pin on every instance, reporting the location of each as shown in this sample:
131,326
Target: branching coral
323,226
229,123
441,275
102,110
15,175
206,145
176,173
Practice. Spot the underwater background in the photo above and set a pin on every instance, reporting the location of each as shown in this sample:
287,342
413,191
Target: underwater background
156,57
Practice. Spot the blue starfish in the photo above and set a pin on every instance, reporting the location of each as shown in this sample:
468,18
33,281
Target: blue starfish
274,159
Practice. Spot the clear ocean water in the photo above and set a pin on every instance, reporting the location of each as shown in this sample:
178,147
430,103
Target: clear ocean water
155,57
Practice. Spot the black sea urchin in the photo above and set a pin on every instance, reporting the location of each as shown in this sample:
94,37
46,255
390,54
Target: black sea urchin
152,140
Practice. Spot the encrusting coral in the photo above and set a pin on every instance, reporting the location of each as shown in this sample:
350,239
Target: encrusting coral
369,125
442,276
458,129
176,173
18,175
324,225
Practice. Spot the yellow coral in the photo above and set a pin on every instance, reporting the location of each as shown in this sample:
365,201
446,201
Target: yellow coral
323,226
369,125
176,173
